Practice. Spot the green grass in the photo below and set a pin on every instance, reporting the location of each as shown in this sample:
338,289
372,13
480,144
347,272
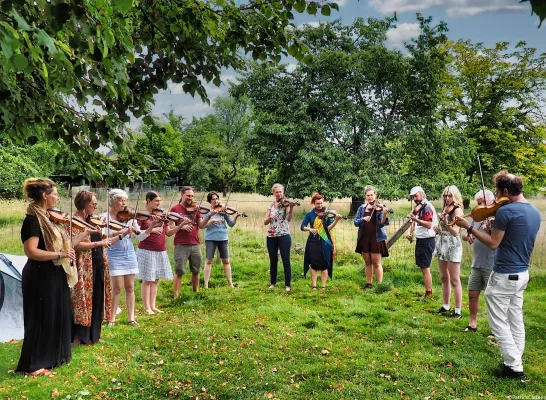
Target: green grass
254,343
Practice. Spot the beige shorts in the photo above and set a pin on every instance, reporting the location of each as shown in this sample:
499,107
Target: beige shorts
478,278
185,252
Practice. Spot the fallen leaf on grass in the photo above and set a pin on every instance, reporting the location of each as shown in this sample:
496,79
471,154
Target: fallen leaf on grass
324,352
55,393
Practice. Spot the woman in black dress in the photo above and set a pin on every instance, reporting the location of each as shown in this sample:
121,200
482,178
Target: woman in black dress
47,278
371,220
319,249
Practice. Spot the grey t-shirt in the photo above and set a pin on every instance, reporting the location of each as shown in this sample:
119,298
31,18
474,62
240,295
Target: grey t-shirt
483,256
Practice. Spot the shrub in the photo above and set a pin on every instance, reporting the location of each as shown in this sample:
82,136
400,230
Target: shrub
15,169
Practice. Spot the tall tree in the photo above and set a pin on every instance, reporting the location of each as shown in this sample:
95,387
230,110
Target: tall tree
495,96
80,69
348,118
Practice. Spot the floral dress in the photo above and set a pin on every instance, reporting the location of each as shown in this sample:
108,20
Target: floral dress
448,247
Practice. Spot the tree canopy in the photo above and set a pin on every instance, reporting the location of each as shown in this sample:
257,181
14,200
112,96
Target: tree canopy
75,71
362,113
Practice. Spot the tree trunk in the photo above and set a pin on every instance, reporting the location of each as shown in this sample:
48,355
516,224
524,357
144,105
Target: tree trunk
355,203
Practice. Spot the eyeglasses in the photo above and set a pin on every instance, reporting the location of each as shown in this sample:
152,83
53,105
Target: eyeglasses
94,205
448,195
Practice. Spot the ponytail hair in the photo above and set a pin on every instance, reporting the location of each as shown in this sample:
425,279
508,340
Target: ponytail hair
34,188
316,196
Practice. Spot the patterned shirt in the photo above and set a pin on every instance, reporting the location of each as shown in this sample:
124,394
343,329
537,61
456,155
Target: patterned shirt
279,225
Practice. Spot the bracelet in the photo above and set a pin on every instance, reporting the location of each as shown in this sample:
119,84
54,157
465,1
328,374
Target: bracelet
120,237
58,255
469,230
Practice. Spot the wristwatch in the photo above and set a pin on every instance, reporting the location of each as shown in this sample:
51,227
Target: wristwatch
469,230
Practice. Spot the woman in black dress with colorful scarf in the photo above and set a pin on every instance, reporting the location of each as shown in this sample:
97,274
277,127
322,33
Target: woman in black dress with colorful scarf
47,278
319,249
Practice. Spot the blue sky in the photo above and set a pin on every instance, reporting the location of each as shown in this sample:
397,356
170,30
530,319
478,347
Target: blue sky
487,21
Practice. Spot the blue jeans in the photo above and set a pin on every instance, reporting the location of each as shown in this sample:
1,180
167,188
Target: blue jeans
274,244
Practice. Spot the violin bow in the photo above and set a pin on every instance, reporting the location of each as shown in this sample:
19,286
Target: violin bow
481,177
136,206
108,212
70,230
199,206
227,200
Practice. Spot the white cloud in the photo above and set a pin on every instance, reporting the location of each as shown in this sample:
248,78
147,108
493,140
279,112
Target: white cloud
402,33
312,24
342,3
453,8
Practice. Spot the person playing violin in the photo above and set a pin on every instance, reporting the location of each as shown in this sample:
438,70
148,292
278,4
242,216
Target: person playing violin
278,217
371,219
319,249
47,278
122,257
91,296
186,240
153,260
482,261
449,250
513,235
215,223
424,219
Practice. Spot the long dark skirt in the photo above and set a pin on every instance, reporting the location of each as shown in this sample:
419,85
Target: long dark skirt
316,256
47,313
91,334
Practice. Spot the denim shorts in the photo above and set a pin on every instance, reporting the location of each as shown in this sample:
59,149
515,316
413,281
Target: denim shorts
221,245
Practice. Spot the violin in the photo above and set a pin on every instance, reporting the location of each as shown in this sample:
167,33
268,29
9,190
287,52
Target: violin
101,223
60,217
417,208
382,207
482,212
286,202
231,211
328,213
448,210
221,209
195,207
168,215
128,213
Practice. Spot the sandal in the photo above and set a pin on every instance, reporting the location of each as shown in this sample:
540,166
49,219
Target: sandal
314,287
470,329
111,324
133,323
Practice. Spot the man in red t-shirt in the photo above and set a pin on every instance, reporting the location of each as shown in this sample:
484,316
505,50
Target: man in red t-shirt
186,241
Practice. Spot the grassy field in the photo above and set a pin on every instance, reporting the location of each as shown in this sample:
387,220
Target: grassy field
254,343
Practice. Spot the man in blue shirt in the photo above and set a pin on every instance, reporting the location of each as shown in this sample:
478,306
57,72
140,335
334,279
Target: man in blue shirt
513,235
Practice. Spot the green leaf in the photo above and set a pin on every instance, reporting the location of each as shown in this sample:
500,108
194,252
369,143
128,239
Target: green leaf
20,62
174,28
312,8
20,21
124,5
299,6
293,49
325,10
308,59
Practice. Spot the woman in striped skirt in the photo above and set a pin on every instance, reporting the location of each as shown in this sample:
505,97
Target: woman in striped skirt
153,260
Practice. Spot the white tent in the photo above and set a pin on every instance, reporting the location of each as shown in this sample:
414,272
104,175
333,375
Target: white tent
11,297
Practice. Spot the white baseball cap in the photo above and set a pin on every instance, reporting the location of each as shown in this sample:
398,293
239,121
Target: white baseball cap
416,189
